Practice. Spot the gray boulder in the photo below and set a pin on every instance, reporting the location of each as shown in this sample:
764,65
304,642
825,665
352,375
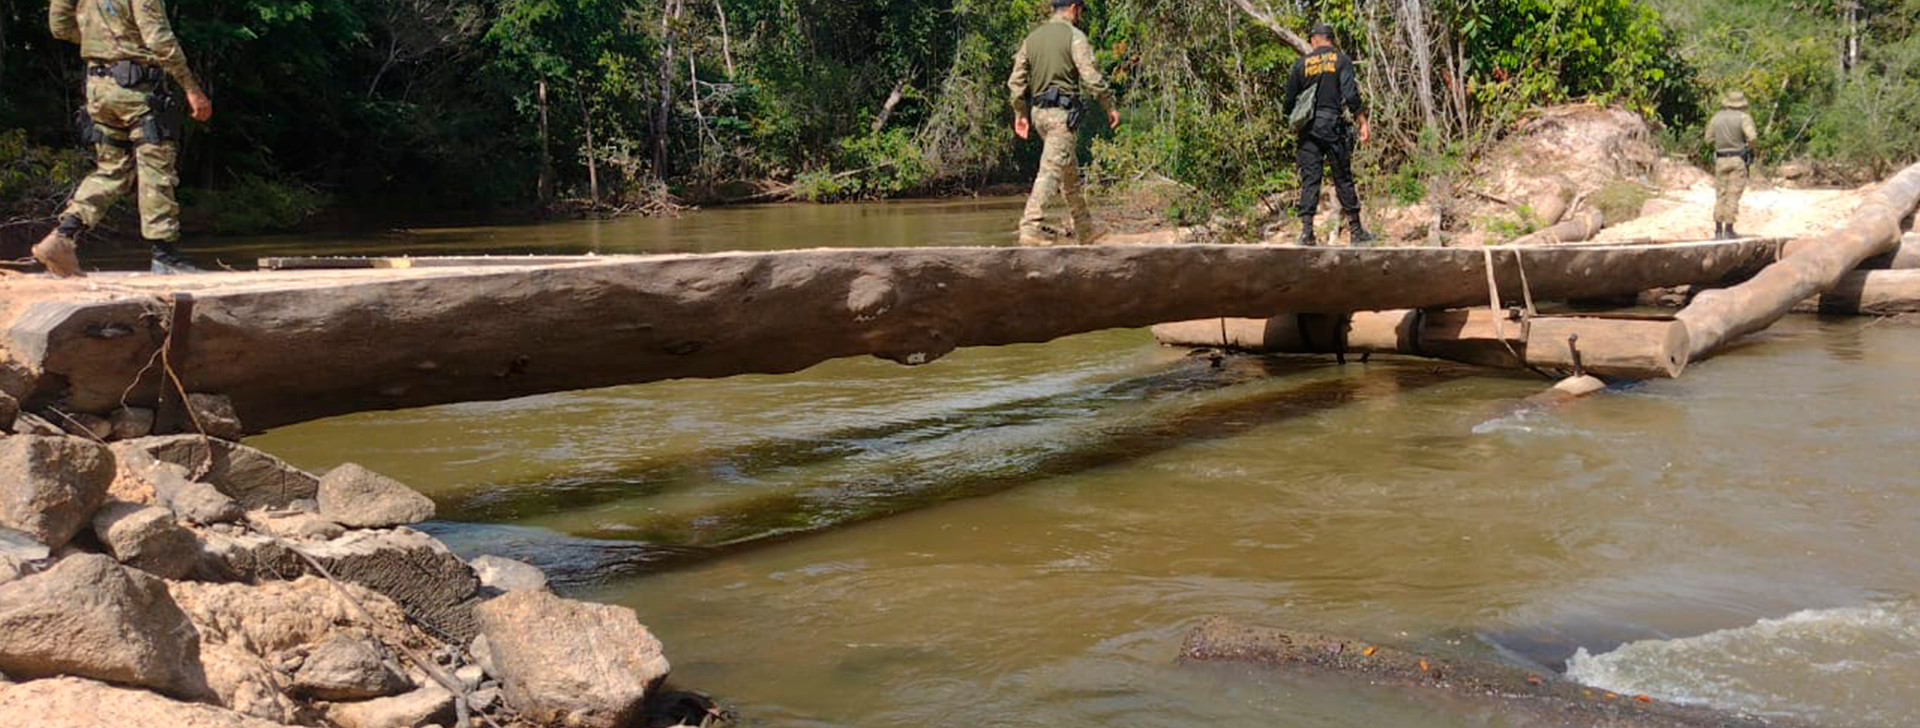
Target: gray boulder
28,423
564,662
131,423
356,497
430,705
295,525
502,574
146,538
214,414
191,500
50,486
252,477
71,702
344,668
88,616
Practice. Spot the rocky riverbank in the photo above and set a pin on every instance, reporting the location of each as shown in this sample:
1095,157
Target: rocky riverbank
192,581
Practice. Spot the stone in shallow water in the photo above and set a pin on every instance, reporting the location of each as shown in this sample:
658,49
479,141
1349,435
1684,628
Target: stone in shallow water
356,497
504,575
564,662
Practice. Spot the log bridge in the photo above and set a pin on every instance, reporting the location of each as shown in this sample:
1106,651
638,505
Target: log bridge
286,346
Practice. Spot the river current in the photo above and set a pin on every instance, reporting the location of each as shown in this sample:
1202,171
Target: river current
1021,535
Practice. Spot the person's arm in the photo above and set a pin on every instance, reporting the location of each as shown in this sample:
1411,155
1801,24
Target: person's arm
1091,81
157,33
1017,87
1294,84
1350,94
1746,127
62,22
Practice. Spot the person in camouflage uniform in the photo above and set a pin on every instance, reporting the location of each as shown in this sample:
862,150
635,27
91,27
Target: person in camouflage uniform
1732,135
1052,74
131,54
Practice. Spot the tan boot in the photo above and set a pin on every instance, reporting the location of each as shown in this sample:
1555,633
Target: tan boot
59,254
1091,236
1033,239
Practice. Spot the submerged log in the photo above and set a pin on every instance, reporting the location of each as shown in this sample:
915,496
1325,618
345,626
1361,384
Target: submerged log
1545,698
293,346
1807,267
1625,348
1868,293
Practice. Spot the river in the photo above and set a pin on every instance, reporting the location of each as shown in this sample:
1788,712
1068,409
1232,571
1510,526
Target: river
1021,535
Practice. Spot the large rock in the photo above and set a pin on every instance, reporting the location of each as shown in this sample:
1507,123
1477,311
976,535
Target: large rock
344,668
131,423
356,497
146,538
9,409
214,414
256,639
254,478
90,617
49,486
71,702
564,662
295,525
172,487
408,566
430,705
502,574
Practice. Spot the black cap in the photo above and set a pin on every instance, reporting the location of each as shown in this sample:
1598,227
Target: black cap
1321,29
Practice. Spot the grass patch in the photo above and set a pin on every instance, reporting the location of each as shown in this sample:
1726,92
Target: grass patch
1621,200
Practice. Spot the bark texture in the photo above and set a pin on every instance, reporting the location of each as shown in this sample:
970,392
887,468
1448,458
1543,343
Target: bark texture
293,346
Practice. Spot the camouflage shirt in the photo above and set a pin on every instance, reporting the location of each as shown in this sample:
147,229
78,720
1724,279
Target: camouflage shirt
1731,130
122,30
1055,55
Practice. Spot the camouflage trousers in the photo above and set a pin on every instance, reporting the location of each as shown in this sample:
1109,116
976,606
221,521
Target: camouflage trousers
126,161
1730,179
1059,173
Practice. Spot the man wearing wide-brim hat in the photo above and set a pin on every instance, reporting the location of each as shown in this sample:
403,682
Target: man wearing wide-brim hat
1732,135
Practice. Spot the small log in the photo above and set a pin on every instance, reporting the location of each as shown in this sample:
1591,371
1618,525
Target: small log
1535,697
1624,348
1807,266
1579,227
1868,293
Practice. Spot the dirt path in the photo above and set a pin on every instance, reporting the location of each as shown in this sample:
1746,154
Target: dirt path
1687,214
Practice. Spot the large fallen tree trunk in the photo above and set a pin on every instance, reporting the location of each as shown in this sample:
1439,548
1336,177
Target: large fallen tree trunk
1808,266
1578,227
1520,694
298,345
1624,348
1868,293
1905,257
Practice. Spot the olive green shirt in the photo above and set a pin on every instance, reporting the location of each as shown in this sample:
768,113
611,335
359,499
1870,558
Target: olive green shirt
1055,56
110,31
1731,130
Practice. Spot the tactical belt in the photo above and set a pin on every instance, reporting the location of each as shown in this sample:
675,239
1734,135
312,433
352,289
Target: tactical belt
128,74
1053,99
1729,155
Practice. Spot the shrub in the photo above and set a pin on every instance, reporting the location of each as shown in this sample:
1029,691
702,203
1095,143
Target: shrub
256,205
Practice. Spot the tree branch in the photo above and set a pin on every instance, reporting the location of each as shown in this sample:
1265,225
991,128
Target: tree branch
1266,19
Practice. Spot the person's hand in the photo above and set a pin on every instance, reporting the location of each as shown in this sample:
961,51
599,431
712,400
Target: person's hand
1366,132
201,105
1021,127
1113,119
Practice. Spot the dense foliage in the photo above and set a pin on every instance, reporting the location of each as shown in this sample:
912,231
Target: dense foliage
471,104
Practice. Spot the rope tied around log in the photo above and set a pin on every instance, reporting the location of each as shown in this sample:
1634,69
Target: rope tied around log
1500,314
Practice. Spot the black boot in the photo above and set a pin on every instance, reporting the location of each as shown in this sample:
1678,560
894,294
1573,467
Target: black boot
1731,235
1307,239
168,261
1719,230
1357,235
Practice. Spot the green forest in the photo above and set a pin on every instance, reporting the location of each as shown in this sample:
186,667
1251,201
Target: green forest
637,106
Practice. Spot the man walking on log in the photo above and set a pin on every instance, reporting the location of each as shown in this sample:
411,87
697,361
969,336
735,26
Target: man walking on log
132,120
1326,138
1053,74
1732,135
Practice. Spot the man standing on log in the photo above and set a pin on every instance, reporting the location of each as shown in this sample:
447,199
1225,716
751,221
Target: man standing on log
132,120
1053,74
1732,135
1326,139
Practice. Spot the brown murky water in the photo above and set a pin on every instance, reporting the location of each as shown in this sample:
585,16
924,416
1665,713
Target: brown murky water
1019,536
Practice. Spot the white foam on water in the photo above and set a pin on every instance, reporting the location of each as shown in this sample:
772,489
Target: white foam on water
1857,666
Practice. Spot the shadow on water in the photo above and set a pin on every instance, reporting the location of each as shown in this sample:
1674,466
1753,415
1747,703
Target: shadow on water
749,462
654,542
